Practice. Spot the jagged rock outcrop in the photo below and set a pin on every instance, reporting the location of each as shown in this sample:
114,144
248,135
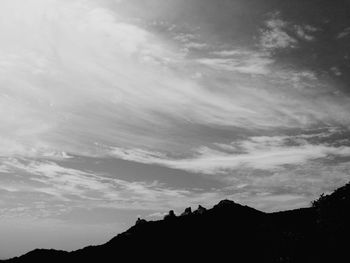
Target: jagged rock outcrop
170,215
200,210
140,221
187,212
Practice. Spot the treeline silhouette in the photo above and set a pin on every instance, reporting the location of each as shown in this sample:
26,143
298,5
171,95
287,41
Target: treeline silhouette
228,232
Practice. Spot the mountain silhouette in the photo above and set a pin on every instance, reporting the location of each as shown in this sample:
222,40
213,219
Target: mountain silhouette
228,232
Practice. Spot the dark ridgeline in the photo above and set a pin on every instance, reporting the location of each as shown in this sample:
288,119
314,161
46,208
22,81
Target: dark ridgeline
228,232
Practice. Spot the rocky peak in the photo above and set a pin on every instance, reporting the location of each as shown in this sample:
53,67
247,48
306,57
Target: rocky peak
188,211
225,203
200,210
170,215
140,221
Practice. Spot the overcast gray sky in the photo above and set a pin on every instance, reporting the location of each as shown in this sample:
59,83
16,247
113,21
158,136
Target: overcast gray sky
114,109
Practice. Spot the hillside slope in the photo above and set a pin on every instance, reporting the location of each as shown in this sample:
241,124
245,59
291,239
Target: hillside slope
228,232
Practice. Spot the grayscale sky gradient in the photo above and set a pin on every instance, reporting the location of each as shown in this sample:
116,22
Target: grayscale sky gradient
114,109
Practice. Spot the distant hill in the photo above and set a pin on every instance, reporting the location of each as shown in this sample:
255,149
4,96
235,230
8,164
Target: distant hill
228,232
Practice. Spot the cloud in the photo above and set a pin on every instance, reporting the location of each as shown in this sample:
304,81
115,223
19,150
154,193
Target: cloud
291,187
157,215
75,188
336,71
3,169
259,153
275,36
270,202
303,32
189,41
281,34
59,57
239,61
76,74
344,33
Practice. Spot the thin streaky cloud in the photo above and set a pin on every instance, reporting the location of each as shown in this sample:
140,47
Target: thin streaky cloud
262,153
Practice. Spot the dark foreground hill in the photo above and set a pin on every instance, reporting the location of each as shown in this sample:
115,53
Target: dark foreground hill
228,232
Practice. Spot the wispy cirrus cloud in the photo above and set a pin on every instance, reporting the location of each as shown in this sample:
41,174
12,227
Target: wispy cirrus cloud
78,73
290,187
76,188
241,61
259,153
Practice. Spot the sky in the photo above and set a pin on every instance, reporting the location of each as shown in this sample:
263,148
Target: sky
116,109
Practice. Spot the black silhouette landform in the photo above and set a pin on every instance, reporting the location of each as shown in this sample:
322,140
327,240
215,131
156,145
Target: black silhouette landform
228,232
